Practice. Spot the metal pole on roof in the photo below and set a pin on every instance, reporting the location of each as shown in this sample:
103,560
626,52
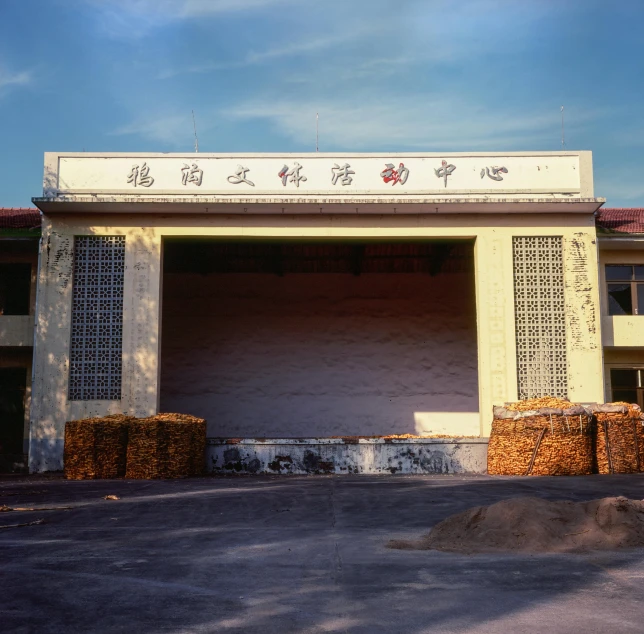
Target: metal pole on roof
563,138
194,127
317,131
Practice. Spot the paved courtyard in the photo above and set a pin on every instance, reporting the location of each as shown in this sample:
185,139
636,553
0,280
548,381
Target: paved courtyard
296,554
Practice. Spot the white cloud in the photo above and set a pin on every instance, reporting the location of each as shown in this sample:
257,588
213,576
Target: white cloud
172,129
414,123
12,80
184,8
136,18
252,58
9,79
197,8
418,122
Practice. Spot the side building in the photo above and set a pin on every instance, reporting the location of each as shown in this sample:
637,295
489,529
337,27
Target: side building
620,234
19,235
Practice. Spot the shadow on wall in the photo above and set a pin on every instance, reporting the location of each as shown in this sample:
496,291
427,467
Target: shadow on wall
314,355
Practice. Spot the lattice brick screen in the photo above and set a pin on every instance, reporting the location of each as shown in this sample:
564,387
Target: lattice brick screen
97,318
540,317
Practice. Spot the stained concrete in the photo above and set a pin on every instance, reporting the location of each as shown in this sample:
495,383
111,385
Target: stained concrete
439,456
297,554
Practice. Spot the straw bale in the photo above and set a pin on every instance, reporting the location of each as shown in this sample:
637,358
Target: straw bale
96,448
166,446
538,403
541,444
619,439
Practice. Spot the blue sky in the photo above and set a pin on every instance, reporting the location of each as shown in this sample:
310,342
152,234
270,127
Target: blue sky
385,75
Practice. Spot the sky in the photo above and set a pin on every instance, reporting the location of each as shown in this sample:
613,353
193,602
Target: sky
384,76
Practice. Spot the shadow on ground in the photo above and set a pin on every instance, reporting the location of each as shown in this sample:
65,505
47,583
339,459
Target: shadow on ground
297,554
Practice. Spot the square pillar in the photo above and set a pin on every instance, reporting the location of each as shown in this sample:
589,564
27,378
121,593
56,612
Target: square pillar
142,295
51,405
495,323
566,310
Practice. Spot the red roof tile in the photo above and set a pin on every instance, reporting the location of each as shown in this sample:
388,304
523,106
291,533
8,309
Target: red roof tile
629,220
19,218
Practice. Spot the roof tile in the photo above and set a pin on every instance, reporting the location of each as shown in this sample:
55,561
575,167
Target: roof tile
19,218
623,220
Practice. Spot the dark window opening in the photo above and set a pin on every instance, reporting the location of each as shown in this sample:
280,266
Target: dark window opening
625,289
13,383
15,288
627,385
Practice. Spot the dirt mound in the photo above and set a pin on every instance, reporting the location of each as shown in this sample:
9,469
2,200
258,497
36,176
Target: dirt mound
535,525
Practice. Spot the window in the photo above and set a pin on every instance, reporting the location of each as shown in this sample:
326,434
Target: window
625,289
540,316
627,384
97,318
15,285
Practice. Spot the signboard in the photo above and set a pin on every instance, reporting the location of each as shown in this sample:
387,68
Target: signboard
335,175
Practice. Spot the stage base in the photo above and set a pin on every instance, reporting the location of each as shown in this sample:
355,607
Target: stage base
346,455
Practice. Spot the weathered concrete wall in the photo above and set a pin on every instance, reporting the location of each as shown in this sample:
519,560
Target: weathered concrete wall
583,319
325,455
321,354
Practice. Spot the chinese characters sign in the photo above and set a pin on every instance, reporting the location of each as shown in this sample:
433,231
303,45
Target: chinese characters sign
347,175
444,171
140,177
392,175
291,175
294,173
191,175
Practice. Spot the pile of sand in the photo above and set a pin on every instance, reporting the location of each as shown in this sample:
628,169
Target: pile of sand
534,525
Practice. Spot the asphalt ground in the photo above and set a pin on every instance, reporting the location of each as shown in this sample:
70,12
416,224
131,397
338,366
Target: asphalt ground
282,554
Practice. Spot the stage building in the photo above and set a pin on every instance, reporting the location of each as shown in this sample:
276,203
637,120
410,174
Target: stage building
324,312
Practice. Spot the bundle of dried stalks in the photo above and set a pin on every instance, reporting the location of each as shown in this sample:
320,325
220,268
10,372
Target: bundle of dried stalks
166,446
619,438
96,448
539,403
549,441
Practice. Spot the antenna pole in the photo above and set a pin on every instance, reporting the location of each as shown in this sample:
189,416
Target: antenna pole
194,126
563,138
317,131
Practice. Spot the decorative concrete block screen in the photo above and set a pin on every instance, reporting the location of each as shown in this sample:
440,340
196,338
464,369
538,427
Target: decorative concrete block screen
540,317
97,318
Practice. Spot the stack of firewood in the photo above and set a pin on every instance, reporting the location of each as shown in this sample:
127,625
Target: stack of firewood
166,446
619,438
162,446
96,448
541,437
